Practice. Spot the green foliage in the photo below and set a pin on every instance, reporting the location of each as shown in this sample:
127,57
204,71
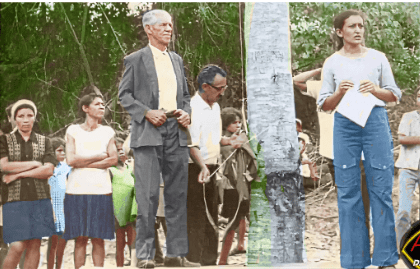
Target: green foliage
393,28
41,59
259,154
209,33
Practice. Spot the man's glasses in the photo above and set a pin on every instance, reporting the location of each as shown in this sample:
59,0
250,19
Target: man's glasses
223,88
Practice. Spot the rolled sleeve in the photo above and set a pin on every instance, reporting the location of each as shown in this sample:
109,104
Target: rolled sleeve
49,156
328,84
387,80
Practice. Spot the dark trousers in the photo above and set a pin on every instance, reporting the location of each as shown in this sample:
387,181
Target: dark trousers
203,239
171,160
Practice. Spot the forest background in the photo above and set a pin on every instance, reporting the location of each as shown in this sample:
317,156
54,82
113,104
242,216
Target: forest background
52,52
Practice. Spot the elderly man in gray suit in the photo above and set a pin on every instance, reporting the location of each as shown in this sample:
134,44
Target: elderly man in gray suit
155,93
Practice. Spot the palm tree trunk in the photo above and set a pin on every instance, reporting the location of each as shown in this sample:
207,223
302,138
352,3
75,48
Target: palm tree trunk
271,108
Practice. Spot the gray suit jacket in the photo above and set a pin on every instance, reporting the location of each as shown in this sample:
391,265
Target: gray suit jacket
139,93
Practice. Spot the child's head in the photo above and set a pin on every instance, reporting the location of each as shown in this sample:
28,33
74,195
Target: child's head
299,125
303,141
231,119
59,148
119,142
302,144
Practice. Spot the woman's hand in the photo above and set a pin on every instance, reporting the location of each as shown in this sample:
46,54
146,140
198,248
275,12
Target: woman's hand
36,164
344,86
367,86
9,178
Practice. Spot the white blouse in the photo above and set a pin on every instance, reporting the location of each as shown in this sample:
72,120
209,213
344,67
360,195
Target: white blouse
89,180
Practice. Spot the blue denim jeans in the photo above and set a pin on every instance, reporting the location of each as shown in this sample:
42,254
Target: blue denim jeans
376,142
407,183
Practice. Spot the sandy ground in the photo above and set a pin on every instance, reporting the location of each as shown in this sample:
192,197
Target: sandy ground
321,236
238,260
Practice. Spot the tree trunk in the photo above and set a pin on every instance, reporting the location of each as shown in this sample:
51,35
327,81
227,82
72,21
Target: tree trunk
271,112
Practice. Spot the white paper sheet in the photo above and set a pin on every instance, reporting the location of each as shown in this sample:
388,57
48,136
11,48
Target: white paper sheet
356,106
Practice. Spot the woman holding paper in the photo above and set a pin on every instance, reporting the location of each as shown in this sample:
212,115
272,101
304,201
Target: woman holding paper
357,81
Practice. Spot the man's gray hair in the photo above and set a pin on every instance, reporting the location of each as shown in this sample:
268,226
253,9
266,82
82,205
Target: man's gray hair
150,18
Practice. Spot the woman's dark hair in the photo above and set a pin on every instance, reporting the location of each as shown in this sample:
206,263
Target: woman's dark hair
339,21
86,101
56,142
229,115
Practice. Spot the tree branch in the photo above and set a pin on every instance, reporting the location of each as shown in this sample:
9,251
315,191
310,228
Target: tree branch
82,51
112,28
85,12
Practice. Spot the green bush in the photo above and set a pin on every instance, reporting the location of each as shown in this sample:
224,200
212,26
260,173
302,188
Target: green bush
393,28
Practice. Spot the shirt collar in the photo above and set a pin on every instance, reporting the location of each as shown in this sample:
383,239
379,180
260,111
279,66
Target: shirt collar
203,103
157,51
32,137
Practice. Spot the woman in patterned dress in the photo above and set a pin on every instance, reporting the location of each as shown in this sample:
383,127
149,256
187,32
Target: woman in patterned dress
27,161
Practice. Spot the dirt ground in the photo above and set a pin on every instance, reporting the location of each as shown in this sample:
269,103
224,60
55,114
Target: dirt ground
238,260
321,234
322,231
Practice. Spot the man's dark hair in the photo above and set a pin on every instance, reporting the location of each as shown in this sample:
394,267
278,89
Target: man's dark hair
207,75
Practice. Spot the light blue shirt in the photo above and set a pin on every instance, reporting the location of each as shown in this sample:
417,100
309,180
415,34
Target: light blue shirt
373,66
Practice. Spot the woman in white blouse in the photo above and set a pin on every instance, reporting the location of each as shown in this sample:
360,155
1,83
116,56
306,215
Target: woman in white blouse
88,203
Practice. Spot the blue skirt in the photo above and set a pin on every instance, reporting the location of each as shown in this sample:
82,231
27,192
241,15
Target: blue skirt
89,215
26,220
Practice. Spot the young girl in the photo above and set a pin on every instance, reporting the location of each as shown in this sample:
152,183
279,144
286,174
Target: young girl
236,185
57,244
124,203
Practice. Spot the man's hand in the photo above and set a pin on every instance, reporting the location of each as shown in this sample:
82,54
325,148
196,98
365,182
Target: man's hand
204,176
183,117
156,117
9,178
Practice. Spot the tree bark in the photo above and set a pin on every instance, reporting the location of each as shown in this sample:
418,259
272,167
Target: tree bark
271,107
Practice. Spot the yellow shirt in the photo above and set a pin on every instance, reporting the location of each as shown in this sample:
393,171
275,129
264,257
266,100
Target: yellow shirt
166,79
